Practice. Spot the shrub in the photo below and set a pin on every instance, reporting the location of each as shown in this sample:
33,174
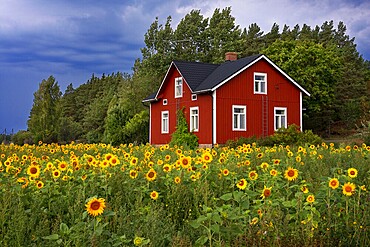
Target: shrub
182,136
285,136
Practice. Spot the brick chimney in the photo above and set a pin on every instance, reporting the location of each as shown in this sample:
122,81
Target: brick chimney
231,56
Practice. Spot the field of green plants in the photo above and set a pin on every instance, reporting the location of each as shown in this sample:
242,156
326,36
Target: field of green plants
100,195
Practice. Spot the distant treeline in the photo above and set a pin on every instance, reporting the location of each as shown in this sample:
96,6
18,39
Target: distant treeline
323,59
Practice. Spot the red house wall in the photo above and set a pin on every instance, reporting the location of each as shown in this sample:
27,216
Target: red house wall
203,102
240,91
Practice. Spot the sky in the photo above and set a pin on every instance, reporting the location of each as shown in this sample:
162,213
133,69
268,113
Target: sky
73,39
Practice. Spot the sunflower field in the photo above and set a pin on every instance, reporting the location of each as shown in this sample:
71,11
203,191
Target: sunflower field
100,195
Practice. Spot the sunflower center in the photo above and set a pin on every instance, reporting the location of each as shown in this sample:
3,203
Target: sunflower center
185,162
95,205
151,174
348,189
333,183
291,173
267,193
33,170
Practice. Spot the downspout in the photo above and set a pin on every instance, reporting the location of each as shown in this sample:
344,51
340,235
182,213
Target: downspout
214,123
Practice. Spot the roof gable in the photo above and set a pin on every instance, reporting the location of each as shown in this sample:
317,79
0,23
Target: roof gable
203,77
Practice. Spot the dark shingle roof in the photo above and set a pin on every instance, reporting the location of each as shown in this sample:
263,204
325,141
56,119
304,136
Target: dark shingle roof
224,71
194,72
151,97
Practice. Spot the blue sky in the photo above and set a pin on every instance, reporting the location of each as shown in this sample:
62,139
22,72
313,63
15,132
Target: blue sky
72,39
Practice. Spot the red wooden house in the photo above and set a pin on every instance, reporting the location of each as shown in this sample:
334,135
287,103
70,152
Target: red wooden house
250,96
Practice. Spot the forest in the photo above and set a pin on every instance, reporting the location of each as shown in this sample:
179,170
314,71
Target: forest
108,109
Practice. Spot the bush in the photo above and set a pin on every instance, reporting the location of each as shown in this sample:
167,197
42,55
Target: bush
22,137
285,136
182,136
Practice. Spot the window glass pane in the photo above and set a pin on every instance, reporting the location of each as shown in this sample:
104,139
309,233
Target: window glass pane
242,121
263,86
283,121
235,121
256,88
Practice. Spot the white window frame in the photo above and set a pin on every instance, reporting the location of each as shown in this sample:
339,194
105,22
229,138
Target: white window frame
165,122
165,101
194,119
178,87
278,121
257,83
194,97
238,116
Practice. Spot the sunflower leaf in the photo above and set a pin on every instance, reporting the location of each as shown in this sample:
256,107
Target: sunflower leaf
227,196
52,237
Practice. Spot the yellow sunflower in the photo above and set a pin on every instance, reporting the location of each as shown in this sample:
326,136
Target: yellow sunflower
104,164
151,175
304,189
62,166
34,171
114,161
254,221
95,206
334,183
56,173
266,192
352,172
154,195
108,156
133,161
24,181
291,174
253,175
273,172
310,198
207,157
225,172
39,184
133,174
348,189
167,168
242,184
185,161
264,166
177,180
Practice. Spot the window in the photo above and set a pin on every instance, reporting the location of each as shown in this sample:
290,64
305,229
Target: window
239,118
165,122
280,117
164,101
193,97
260,83
194,119
178,87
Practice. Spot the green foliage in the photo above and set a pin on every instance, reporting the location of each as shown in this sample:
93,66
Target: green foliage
44,119
215,202
293,136
283,136
137,127
22,137
182,136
